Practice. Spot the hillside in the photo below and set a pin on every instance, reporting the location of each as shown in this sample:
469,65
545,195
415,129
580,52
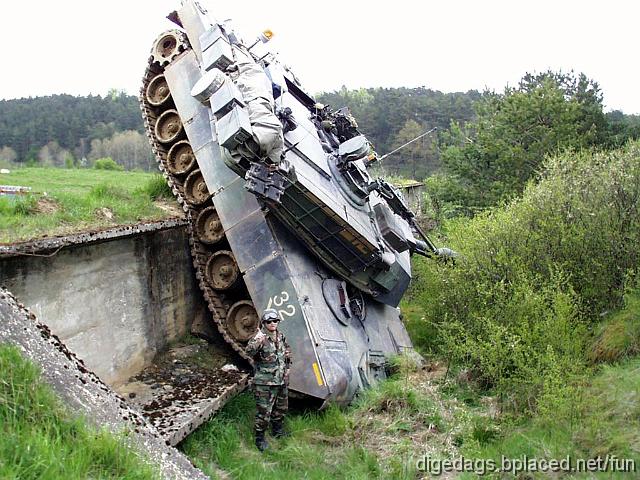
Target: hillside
75,131
531,334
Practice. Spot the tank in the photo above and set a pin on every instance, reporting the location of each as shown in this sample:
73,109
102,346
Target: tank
282,210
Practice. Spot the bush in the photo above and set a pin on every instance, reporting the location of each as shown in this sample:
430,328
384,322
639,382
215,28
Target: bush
619,335
156,188
23,206
107,164
104,191
536,274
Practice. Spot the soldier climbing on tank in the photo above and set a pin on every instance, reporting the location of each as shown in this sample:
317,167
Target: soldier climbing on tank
272,361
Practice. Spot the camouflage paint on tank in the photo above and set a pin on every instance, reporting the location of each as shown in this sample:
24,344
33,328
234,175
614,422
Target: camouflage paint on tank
332,358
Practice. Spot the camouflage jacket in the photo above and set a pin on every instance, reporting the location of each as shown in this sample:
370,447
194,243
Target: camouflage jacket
272,358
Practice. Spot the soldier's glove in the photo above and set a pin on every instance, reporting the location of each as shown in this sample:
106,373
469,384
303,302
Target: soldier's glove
286,377
261,336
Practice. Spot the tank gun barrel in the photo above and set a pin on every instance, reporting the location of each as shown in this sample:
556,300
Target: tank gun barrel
424,247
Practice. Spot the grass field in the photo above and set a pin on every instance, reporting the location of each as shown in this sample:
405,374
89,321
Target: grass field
600,421
41,440
79,199
381,436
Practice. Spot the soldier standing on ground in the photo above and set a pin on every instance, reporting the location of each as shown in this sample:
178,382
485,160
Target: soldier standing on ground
272,361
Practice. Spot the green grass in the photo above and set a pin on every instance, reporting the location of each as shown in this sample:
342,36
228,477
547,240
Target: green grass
422,331
313,451
40,440
601,419
618,337
78,199
377,437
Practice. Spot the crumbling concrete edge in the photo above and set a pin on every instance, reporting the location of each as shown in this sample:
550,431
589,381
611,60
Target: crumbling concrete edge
83,392
207,411
51,245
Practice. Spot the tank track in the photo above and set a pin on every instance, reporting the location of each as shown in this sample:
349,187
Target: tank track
219,301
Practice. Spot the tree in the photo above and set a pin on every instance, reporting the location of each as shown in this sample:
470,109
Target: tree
622,128
382,112
53,155
493,157
416,160
8,155
129,149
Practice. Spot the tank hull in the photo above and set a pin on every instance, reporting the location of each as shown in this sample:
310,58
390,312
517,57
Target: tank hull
331,360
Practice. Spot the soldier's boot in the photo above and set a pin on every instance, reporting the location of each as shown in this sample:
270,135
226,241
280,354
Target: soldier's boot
261,443
277,429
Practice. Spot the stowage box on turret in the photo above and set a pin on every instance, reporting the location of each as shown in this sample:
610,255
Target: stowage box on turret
282,210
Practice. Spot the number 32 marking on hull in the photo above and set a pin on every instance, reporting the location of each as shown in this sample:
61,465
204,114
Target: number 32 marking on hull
280,303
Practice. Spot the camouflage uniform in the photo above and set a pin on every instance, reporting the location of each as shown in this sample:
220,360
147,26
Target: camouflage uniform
272,357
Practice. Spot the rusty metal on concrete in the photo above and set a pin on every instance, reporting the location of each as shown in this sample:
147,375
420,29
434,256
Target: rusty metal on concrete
184,387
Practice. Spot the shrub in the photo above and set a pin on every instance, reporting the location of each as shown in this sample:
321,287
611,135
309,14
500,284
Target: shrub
107,164
534,274
619,335
106,191
23,206
156,188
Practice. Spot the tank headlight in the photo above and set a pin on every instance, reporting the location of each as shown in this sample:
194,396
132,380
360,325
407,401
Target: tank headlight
266,35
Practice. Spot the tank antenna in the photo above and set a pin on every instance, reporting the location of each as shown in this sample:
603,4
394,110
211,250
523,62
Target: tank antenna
408,143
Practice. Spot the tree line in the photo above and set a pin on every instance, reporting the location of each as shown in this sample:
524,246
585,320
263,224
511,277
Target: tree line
487,145
66,130
490,159
391,117
63,130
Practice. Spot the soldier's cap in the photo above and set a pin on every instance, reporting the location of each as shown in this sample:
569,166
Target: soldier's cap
270,314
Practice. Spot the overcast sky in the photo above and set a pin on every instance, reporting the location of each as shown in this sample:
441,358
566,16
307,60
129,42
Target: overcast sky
82,47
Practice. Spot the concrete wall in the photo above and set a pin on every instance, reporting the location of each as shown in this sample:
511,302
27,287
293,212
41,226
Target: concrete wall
414,196
115,304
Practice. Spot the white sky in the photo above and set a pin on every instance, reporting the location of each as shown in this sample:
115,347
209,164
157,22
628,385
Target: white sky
82,47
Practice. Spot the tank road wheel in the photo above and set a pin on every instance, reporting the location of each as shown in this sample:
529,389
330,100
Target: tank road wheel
242,320
180,158
195,190
208,226
222,271
158,91
166,48
168,126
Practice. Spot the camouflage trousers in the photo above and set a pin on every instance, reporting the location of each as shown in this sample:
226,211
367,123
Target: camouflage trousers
272,402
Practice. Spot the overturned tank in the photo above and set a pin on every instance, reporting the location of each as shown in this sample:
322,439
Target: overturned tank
282,210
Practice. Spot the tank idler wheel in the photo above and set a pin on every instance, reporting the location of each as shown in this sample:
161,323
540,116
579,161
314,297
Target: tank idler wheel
195,190
180,158
242,320
208,226
158,91
168,126
222,271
